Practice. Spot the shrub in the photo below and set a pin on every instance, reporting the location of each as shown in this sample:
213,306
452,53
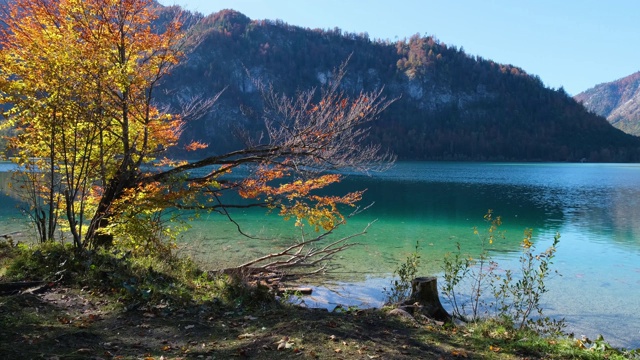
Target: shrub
517,294
462,270
401,286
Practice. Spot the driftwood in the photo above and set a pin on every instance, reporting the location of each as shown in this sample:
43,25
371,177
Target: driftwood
308,256
28,287
300,290
23,287
424,292
304,254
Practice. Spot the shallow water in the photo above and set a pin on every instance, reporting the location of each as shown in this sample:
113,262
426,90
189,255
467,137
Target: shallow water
595,208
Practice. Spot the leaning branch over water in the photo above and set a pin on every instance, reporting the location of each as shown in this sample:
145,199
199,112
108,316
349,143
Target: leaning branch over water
308,254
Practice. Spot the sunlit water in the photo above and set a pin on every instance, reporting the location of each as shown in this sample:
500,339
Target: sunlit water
595,208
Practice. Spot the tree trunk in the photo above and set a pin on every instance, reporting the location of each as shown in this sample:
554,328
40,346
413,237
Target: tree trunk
125,178
424,290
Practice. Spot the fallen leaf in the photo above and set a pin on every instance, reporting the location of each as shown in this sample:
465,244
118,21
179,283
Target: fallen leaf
459,353
338,351
494,348
64,320
189,327
245,336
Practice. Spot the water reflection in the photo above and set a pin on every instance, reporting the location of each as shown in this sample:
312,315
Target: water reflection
603,199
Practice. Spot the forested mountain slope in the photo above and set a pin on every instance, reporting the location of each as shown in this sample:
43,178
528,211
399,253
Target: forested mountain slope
618,101
451,106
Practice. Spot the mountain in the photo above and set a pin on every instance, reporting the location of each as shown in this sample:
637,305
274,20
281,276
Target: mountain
451,106
618,101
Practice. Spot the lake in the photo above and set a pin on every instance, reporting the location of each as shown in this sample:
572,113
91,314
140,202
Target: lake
595,208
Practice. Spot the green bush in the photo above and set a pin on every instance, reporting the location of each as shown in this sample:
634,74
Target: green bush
516,294
475,273
47,261
400,288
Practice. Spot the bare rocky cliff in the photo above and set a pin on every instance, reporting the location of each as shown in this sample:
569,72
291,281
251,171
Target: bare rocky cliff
618,101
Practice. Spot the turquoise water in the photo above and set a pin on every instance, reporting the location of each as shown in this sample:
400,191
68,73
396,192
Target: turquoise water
595,208
11,217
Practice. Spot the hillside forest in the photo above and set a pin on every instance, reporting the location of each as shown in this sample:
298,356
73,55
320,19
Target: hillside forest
448,105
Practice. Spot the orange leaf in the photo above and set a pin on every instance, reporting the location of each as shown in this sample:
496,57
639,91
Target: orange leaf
195,145
459,353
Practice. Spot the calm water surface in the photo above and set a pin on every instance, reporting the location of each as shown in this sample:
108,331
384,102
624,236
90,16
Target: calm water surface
595,208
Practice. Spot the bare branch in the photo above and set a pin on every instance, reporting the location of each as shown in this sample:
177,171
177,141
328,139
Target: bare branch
197,106
225,212
306,253
329,134
305,135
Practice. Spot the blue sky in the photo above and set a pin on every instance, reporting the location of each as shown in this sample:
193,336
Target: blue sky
576,44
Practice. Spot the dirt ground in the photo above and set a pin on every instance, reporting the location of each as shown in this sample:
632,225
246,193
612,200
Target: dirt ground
66,323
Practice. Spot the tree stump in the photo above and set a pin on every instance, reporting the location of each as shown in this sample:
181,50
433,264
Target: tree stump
424,290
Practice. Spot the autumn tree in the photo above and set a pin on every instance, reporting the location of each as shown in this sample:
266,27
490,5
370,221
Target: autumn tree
78,79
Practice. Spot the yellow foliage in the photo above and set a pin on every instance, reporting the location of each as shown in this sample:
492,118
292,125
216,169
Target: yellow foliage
76,76
526,241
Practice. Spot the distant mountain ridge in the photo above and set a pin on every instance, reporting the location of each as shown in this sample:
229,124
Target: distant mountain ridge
451,106
618,101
